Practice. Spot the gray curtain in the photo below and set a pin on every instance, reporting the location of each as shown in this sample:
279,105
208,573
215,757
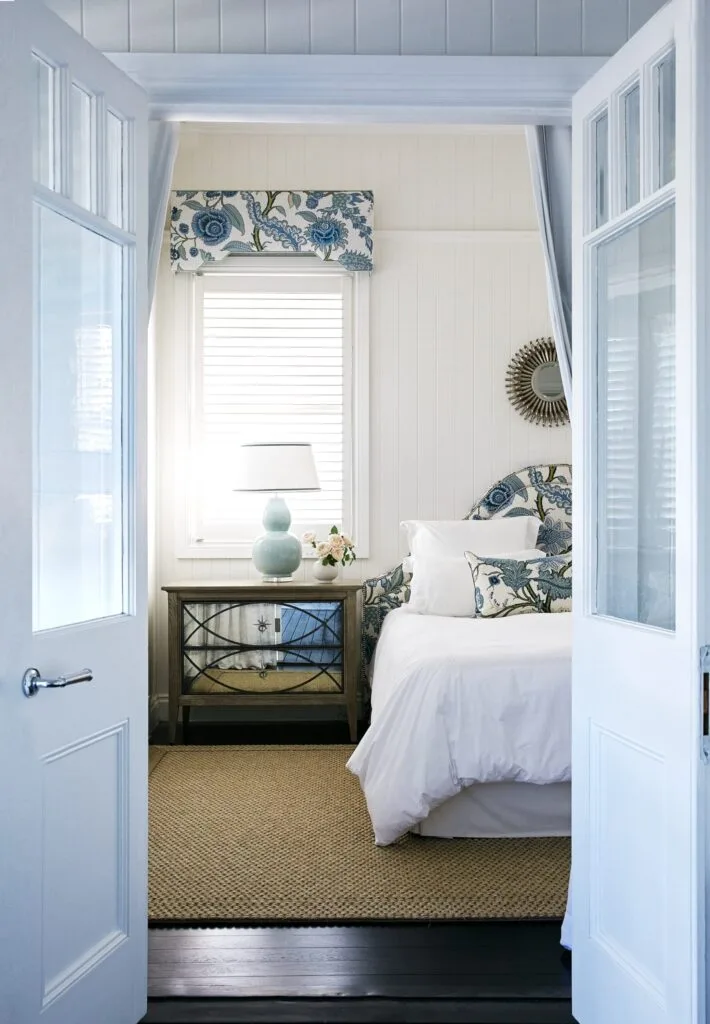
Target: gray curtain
550,150
162,150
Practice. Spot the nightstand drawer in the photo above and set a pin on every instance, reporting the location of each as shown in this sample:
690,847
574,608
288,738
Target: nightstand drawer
262,647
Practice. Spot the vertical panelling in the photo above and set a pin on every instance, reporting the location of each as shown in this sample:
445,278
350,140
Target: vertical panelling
559,28
423,26
514,27
469,27
449,305
243,26
456,27
106,24
152,26
377,26
288,26
332,26
640,11
605,26
448,343
197,26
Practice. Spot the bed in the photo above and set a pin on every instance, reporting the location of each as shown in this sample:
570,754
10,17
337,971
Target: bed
470,718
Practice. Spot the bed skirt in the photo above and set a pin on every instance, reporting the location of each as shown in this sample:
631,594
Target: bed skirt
496,810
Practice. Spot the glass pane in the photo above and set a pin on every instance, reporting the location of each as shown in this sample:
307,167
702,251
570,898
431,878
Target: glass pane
78,507
601,169
114,161
631,113
43,128
636,423
82,152
665,114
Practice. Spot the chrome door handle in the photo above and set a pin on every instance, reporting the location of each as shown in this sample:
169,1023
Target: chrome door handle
31,681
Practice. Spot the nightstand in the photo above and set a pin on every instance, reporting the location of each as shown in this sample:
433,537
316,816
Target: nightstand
253,644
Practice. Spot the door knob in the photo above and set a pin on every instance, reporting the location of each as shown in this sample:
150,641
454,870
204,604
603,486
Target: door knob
31,681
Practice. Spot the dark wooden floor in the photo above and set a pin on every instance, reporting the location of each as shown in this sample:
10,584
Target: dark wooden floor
478,972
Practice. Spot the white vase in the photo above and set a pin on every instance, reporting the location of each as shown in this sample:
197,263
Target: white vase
324,573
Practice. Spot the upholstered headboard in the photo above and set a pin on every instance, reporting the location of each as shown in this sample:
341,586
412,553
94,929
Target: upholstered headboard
541,491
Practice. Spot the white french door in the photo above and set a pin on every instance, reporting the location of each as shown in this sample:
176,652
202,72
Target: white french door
640,452
73,741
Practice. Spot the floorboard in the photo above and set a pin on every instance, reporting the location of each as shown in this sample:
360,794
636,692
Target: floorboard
474,972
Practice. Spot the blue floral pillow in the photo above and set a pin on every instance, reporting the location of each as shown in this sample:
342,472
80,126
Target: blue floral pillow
505,586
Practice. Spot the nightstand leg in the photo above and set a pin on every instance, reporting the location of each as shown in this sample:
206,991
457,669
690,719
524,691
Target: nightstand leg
186,722
173,711
352,718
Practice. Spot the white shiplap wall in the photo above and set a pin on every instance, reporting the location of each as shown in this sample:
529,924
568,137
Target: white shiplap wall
458,287
461,27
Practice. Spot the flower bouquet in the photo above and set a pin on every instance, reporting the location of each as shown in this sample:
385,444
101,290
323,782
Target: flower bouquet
337,549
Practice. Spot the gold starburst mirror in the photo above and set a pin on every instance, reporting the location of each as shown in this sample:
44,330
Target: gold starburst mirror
534,384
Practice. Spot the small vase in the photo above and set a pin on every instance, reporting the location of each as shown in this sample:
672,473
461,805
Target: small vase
324,573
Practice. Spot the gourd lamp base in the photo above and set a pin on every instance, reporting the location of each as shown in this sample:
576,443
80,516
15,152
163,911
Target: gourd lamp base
277,553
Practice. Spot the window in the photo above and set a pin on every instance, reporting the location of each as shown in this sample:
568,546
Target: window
278,353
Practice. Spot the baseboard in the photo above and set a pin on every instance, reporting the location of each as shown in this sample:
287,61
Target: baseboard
156,712
159,713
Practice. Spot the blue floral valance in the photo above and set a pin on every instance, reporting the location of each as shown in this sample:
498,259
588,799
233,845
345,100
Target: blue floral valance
209,226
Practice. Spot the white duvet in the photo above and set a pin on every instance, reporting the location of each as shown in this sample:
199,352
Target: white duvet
457,701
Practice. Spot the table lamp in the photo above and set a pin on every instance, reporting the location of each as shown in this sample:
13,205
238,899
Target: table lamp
277,468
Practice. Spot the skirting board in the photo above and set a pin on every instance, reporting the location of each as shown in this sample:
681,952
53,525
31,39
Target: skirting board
159,713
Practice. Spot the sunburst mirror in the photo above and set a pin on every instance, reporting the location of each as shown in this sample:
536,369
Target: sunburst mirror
534,384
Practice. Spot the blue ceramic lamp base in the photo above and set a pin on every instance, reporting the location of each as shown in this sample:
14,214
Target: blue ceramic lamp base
277,553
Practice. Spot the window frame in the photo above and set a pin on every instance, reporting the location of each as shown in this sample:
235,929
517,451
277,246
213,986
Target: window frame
187,288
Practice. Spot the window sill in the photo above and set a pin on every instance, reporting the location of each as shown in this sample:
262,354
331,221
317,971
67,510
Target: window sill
238,551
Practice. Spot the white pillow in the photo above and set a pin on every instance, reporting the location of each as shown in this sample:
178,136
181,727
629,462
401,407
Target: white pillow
484,536
443,585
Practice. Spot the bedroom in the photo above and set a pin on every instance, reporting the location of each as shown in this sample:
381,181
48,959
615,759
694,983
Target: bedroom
456,291
417,406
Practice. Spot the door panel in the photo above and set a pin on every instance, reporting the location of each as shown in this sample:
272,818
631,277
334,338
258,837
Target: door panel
639,579
79,538
73,759
634,271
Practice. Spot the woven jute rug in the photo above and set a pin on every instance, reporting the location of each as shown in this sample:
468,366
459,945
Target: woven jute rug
275,835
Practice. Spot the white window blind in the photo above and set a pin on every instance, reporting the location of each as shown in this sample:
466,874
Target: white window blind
271,364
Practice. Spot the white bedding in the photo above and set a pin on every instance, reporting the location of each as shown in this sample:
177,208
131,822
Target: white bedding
460,701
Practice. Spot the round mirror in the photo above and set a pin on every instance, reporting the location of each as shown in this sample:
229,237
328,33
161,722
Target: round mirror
534,384
547,382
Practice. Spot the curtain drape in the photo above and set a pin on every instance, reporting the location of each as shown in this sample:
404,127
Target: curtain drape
550,150
162,150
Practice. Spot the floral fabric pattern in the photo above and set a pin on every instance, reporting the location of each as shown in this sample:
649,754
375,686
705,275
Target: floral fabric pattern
505,586
544,492
210,226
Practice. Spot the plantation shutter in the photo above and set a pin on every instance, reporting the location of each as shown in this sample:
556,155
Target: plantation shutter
270,368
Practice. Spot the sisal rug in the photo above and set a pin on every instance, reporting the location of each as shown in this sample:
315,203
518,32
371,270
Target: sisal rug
276,835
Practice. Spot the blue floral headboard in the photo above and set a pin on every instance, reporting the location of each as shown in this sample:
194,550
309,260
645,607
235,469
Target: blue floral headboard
541,491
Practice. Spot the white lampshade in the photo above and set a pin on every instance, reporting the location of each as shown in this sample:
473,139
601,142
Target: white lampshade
277,467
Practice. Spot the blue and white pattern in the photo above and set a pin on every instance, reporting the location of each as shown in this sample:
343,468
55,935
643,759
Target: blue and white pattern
210,226
544,492
508,586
